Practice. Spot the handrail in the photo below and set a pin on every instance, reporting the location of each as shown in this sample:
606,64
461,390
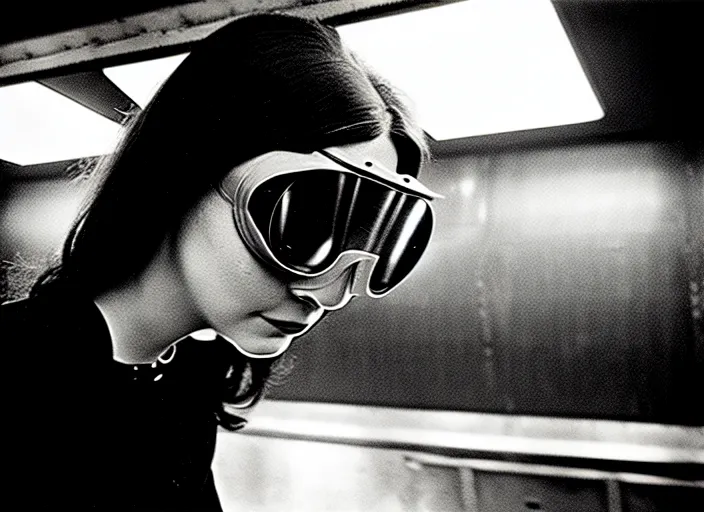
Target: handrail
478,433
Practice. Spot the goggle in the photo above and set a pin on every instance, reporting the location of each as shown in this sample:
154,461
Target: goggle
320,216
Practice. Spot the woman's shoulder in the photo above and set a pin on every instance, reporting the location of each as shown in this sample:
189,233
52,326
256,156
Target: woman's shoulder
22,312
30,310
49,320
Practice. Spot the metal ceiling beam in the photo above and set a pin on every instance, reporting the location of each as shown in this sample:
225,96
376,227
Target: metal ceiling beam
165,31
35,18
95,91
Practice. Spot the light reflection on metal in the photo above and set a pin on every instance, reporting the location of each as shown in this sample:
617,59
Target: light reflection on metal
467,187
499,466
478,432
584,201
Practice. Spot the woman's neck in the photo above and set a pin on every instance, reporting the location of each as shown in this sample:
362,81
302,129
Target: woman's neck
149,313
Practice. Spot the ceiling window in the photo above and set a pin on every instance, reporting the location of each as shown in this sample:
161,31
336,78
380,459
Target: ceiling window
471,68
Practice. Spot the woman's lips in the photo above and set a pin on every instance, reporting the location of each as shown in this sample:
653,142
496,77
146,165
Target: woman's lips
285,326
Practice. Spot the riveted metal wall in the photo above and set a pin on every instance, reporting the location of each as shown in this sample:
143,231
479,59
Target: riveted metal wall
558,283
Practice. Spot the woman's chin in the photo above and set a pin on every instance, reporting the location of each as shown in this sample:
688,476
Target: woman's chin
260,347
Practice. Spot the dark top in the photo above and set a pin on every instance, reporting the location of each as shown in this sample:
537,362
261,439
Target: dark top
85,432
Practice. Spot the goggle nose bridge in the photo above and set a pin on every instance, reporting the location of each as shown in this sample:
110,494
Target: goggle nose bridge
349,277
310,297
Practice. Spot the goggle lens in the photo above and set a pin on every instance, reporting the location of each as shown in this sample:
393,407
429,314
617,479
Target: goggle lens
309,218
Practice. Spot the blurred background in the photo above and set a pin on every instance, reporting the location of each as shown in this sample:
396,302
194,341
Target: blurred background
548,353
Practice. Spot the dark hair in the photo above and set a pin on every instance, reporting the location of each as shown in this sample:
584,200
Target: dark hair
263,82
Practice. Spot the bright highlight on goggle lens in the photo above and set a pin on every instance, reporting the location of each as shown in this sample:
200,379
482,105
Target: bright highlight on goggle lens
308,219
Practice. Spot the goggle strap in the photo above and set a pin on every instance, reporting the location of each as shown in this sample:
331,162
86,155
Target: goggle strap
401,183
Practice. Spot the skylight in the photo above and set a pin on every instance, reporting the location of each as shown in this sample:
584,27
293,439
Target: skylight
479,67
474,67
38,125
141,80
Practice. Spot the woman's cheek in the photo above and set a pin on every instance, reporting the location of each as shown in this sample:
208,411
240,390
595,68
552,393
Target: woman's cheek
222,276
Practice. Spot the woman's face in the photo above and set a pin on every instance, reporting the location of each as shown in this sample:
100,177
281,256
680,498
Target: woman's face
231,291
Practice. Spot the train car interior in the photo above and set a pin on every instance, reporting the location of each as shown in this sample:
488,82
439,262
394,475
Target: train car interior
548,353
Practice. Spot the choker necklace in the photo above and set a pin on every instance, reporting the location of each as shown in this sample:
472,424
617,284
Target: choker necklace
153,371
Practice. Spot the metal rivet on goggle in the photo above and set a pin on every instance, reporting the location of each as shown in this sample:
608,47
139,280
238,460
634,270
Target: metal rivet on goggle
368,164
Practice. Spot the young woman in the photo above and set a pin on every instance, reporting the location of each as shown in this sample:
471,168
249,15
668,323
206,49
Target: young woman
270,180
